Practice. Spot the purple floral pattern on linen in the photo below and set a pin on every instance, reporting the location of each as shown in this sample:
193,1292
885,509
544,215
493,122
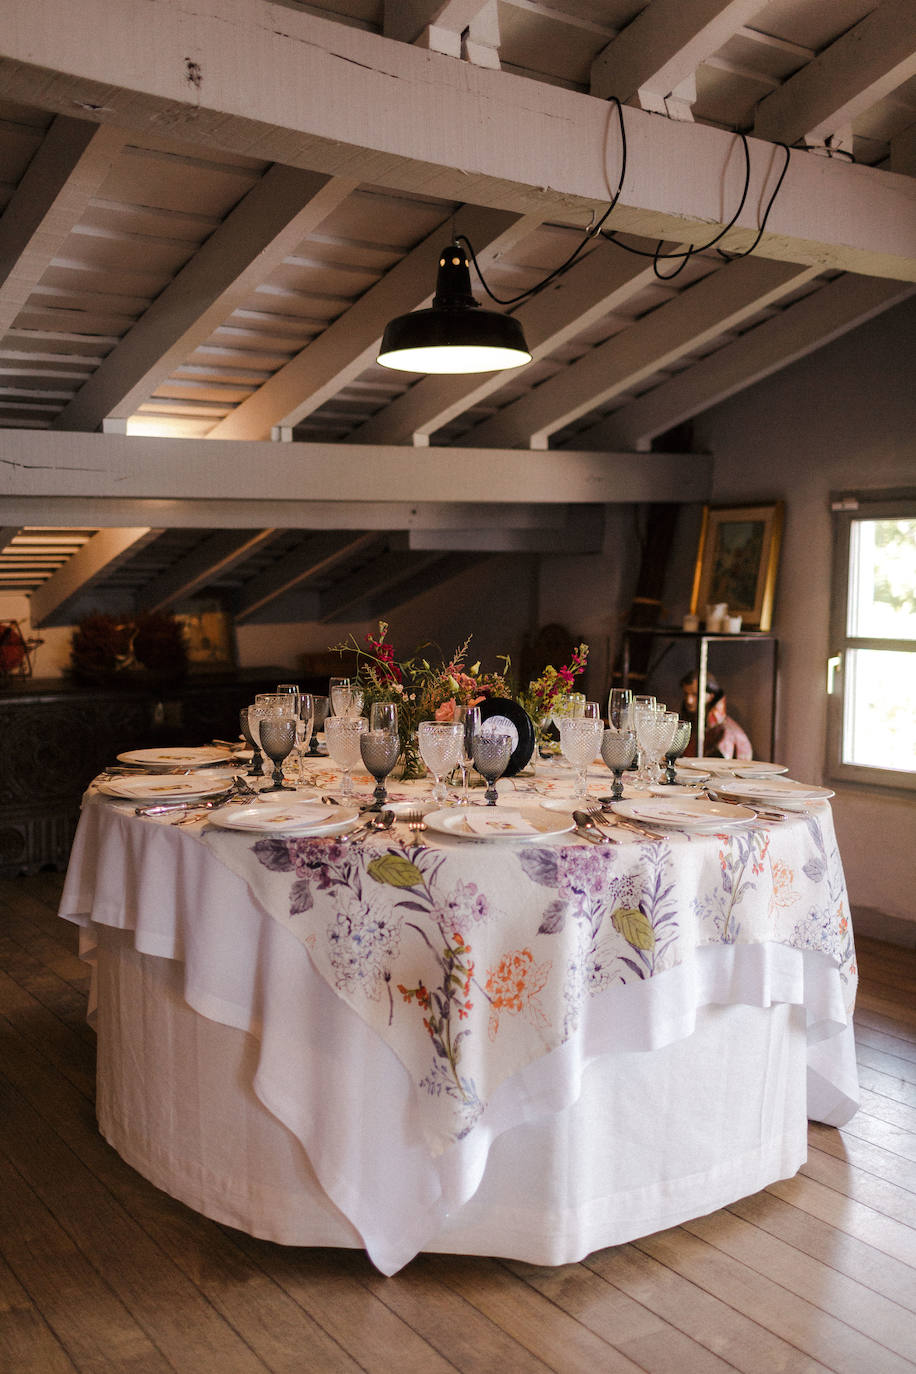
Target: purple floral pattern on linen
471,961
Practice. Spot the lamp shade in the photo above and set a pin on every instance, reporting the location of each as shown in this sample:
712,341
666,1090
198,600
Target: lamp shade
455,334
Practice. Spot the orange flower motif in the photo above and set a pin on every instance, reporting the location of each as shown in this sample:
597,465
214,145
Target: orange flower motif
784,894
513,987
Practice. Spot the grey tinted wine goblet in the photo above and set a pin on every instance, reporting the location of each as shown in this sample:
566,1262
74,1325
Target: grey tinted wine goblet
257,767
618,749
491,757
675,749
380,750
278,739
320,708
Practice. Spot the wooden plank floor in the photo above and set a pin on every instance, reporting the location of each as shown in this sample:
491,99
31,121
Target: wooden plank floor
101,1272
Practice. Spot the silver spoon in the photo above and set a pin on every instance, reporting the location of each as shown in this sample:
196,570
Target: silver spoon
589,829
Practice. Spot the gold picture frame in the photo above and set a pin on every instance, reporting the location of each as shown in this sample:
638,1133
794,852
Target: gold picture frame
737,559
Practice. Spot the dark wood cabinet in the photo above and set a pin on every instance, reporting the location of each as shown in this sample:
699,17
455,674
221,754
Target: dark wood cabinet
56,736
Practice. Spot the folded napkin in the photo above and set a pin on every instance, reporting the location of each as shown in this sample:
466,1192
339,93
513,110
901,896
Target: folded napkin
495,822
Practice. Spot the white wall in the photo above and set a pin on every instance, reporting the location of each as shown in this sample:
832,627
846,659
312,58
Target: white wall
843,418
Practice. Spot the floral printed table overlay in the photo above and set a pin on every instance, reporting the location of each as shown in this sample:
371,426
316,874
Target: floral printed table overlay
472,960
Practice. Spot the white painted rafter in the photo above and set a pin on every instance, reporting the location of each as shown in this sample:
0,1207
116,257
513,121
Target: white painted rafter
320,555
866,63
800,329
426,133
268,223
73,160
700,313
658,53
213,558
97,558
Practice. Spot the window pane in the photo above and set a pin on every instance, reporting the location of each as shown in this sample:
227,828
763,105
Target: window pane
882,579
880,709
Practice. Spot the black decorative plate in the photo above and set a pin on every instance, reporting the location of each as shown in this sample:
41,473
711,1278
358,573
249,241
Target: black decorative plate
501,715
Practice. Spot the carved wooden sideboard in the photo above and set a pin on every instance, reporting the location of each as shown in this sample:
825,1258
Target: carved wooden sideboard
55,737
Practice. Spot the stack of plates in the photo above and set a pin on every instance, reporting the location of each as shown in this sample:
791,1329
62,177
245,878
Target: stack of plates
169,787
686,813
299,818
165,760
738,768
784,792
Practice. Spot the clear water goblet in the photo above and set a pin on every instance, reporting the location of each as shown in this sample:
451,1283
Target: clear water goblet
679,742
592,711
579,740
342,734
620,708
379,750
655,731
304,728
383,715
249,730
338,695
618,750
289,689
277,733
491,758
440,749
643,717
320,708
470,718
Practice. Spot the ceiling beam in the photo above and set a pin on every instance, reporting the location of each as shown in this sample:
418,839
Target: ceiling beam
8,534
593,287
582,532
211,559
700,313
99,556
422,579
866,63
798,330
319,557
73,160
538,149
663,46
350,344
266,225
264,474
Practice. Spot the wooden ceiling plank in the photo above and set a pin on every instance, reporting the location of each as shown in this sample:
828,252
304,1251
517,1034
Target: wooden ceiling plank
268,223
866,63
374,580
97,558
421,580
592,288
663,46
697,315
84,474
71,164
213,558
802,328
540,149
322,553
349,345
8,534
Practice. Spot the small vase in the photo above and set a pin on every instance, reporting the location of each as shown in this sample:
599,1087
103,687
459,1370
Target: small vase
410,766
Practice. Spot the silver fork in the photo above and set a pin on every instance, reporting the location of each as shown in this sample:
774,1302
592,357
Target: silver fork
415,823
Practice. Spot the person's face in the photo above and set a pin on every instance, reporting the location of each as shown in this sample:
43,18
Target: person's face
690,695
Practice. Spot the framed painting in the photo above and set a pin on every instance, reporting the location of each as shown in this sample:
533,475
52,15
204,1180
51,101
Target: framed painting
737,560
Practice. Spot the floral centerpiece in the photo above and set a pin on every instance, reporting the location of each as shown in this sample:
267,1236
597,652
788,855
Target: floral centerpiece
423,689
541,695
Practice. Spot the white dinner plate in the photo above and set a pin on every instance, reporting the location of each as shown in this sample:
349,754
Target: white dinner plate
162,759
147,787
454,821
686,813
739,768
778,790
297,818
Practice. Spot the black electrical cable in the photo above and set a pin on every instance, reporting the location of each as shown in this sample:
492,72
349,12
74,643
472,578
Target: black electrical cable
610,235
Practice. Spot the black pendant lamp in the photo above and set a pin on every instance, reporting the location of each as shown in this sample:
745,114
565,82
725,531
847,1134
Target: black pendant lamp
455,334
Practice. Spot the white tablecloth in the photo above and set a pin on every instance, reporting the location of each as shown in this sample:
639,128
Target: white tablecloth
239,1078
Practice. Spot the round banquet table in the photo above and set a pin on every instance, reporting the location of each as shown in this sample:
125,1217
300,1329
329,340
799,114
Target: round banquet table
240,1076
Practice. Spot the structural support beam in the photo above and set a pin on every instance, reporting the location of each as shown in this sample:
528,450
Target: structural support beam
349,345
700,313
260,232
663,46
582,532
866,63
538,149
323,553
376,581
165,473
599,283
217,556
97,558
800,329
74,159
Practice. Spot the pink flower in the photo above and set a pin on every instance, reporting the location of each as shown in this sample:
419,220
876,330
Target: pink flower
446,711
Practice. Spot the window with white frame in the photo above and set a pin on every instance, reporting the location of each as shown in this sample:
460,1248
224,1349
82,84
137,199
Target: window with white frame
872,669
